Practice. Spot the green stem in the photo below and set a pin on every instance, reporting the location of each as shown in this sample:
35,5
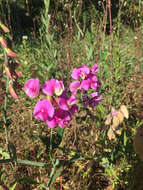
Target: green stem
51,139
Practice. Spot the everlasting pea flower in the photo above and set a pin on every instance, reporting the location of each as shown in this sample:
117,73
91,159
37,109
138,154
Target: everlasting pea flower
32,88
80,72
43,110
53,86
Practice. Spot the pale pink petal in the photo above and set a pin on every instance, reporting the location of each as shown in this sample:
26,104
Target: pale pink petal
74,86
32,88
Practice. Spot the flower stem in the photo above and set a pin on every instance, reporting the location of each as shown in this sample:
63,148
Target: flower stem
51,139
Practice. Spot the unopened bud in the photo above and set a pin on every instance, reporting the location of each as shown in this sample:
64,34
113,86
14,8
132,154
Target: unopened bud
10,52
7,71
4,28
3,42
12,91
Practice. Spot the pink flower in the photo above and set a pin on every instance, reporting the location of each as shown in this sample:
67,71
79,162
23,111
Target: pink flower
32,87
52,87
44,110
80,72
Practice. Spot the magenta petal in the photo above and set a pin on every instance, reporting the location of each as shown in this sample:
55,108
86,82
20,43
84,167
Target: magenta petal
43,110
74,86
80,72
85,84
51,123
94,68
32,88
63,123
72,100
63,103
49,87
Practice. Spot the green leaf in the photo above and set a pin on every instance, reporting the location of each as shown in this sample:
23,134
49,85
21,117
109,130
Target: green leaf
13,186
57,174
33,163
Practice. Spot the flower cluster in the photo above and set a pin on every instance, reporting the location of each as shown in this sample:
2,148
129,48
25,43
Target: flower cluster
85,82
10,67
57,108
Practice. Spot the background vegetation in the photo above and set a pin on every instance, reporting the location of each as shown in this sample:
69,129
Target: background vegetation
51,38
